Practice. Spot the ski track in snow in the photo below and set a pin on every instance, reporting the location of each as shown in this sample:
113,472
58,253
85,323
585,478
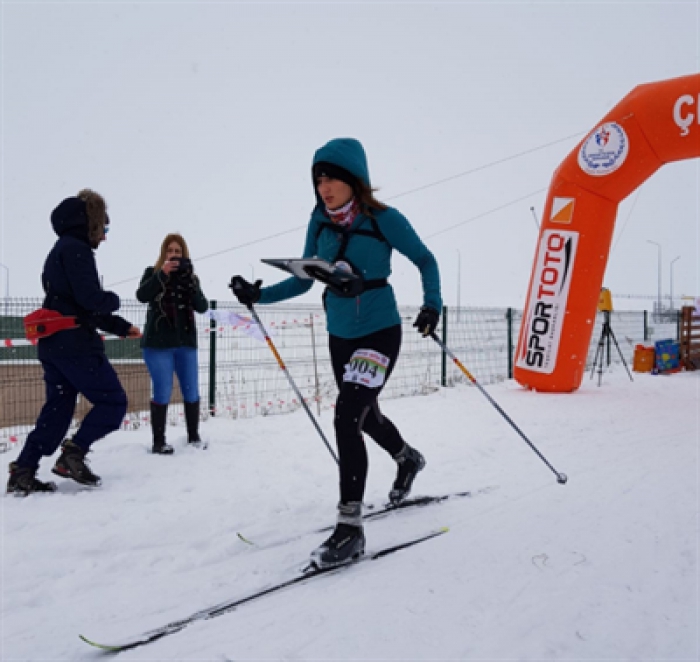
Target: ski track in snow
605,567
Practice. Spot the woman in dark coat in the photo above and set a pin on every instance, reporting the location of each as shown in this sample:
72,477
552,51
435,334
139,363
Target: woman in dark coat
74,360
173,294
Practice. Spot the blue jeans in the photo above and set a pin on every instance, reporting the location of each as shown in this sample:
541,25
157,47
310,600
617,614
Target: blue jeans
162,363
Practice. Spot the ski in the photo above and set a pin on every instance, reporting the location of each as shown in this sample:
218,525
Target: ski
308,574
414,502
383,511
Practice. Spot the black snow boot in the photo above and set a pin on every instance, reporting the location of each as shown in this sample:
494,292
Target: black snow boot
71,464
410,462
159,416
23,482
192,422
347,542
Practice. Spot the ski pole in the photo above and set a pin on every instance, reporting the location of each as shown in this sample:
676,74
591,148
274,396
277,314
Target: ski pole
561,477
280,362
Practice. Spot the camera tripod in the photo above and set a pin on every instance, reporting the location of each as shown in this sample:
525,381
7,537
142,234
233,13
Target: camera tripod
604,348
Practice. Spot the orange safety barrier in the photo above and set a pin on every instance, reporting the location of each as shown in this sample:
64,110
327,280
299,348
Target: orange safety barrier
655,124
643,359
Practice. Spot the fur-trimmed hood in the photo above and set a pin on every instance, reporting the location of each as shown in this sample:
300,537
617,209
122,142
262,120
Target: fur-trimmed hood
87,211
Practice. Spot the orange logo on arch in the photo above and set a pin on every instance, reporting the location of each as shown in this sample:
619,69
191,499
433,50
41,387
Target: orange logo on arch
562,210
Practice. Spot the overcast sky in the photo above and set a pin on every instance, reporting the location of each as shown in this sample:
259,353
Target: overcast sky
203,118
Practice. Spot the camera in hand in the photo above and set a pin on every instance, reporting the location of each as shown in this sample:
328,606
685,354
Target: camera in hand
184,269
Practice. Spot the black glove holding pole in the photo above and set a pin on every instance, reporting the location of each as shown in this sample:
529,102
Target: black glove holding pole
427,321
246,293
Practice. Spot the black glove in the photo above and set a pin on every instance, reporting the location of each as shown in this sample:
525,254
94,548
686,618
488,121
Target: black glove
427,321
184,269
246,293
182,276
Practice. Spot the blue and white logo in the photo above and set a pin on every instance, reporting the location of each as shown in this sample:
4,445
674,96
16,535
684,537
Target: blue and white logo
604,151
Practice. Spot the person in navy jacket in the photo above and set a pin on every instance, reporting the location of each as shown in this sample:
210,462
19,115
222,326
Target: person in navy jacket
74,360
351,229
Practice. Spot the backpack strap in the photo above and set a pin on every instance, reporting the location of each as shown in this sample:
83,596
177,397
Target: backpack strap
345,236
375,232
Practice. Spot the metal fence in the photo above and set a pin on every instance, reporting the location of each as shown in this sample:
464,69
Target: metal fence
239,376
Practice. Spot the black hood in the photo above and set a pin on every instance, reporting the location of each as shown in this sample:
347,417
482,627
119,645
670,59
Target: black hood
70,215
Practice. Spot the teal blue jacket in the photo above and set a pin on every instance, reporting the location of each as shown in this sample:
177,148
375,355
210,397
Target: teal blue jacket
374,309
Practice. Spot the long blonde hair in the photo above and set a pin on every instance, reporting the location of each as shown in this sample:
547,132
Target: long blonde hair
169,239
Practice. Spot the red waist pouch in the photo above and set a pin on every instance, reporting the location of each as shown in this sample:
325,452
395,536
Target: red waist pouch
45,322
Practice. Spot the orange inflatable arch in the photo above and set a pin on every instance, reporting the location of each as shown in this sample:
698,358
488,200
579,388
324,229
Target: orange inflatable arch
656,123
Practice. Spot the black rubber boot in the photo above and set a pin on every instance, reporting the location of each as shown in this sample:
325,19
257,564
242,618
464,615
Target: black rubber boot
347,542
71,464
23,482
410,462
192,422
159,417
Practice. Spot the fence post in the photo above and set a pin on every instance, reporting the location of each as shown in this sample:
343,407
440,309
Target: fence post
646,326
509,317
212,360
313,347
444,340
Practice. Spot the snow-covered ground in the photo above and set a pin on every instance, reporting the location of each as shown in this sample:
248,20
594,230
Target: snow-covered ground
604,568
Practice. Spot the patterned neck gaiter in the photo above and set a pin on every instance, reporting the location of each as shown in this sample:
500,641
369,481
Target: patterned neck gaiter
346,214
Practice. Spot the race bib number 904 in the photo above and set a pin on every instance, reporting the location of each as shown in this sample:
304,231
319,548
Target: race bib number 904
366,367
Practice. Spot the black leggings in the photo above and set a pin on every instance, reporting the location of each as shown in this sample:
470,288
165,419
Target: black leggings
357,410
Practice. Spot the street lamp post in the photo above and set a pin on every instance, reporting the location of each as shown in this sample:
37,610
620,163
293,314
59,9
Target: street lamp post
459,279
658,245
672,261
7,287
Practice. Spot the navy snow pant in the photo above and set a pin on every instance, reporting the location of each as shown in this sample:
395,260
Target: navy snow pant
357,410
94,377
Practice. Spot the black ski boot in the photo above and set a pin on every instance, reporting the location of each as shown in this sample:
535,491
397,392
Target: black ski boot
159,415
410,462
71,464
23,482
347,542
192,422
